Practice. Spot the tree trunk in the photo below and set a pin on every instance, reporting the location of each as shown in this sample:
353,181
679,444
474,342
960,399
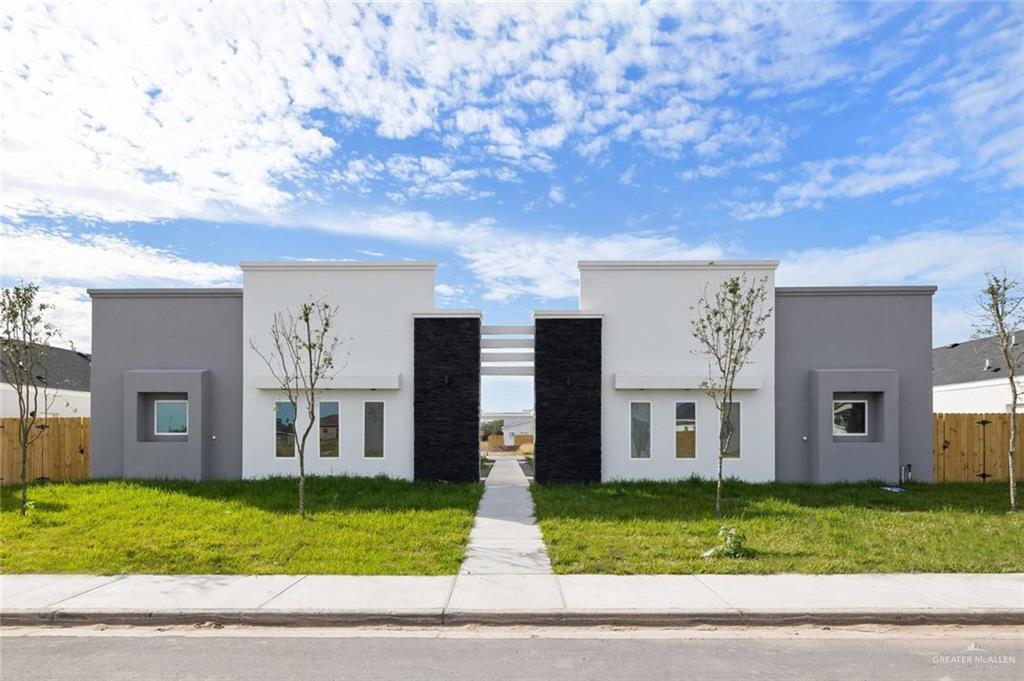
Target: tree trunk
24,477
1013,444
302,485
718,491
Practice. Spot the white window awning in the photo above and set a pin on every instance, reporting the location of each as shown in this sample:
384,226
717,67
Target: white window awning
340,382
659,381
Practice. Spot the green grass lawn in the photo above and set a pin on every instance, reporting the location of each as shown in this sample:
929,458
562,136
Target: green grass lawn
352,526
662,528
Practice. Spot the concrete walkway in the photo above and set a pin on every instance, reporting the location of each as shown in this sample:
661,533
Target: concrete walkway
505,539
514,599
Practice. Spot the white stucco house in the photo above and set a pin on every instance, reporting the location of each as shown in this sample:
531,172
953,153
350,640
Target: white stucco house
970,378
839,388
66,378
515,423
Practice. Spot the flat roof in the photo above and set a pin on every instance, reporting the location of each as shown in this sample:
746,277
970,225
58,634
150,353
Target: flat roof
442,313
338,265
567,314
164,292
677,264
855,290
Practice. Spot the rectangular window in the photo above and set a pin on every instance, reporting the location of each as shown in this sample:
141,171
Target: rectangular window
686,430
732,429
373,430
170,417
640,430
284,419
849,417
329,424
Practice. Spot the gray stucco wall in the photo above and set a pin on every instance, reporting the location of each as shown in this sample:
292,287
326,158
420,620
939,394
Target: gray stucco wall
874,340
151,341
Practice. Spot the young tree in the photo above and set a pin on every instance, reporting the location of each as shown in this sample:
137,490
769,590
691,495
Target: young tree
1002,316
302,355
25,336
492,427
728,324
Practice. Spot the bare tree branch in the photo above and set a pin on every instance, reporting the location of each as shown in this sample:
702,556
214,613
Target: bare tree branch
25,338
728,323
301,356
1002,316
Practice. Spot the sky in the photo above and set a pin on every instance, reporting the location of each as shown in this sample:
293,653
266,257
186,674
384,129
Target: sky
160,145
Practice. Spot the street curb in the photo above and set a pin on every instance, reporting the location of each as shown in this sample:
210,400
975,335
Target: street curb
269,618
634,618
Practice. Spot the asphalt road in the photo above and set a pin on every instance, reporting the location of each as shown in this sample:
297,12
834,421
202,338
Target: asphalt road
817,654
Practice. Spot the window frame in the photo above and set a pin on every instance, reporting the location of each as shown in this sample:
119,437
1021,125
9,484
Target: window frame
650,430
739,430
867,428
383,429
295,434
156,417
319,439
696,429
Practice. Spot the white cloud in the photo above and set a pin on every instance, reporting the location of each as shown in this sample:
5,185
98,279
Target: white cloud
65,264
556,195
545,265
146,112
974,89
446,291
628,176
408,177
941,257
533,264
909,164
372,254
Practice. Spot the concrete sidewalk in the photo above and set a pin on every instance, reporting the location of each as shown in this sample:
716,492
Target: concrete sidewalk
505,539
540,599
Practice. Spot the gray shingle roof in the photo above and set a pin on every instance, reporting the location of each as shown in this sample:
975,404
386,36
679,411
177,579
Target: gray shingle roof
965,362
65,369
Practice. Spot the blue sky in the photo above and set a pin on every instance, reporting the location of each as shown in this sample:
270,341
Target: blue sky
856,143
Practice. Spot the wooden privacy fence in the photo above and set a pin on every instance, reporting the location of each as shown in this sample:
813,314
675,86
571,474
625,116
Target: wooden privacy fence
60,453
972,447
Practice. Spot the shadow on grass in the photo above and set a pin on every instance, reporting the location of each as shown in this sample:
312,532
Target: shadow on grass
694,499
281,494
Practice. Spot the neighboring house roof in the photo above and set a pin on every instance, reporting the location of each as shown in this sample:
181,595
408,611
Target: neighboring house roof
65,369
965,362
511,418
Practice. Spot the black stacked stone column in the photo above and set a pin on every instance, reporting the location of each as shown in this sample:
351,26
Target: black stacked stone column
567,399
446,398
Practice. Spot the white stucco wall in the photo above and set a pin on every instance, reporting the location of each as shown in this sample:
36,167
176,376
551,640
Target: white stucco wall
646,333
377,302
64,402
979,397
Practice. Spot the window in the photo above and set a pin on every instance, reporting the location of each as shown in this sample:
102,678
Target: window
849,417
329,423
373,430
170,417
732,429
639,430
284,418
686,430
